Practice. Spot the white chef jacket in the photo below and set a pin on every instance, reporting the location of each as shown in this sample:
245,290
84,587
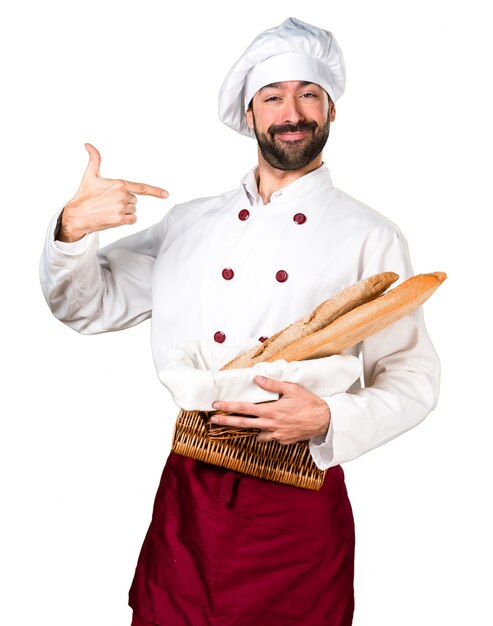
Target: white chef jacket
228,268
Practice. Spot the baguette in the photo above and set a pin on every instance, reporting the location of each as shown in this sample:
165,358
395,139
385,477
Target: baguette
326,313
364,321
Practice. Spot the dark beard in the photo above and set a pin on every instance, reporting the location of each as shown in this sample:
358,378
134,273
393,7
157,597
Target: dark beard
292,155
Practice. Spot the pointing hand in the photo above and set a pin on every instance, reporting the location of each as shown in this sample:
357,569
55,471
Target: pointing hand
102,203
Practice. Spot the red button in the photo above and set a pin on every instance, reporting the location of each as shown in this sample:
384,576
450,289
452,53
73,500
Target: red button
300,218
262,339
244,214
281,276
219,336
228,273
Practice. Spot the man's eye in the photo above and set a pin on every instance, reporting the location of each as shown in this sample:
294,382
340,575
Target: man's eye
272,98
312,95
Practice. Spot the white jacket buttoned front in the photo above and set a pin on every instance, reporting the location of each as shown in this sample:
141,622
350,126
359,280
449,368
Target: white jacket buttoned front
229,268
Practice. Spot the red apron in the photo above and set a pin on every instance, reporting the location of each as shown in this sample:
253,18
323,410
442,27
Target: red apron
226,549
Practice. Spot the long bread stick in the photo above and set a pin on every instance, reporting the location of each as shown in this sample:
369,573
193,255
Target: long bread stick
364,321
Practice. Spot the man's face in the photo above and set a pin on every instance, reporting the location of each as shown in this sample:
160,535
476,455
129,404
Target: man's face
291,121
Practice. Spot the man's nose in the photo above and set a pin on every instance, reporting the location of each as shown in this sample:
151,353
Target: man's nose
292,111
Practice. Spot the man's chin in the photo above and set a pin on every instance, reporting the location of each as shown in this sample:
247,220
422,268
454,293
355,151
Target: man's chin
292,159
291,164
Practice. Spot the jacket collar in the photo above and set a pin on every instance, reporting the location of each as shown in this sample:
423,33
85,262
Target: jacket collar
316,180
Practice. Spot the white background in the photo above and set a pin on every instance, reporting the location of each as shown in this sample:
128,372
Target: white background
85,423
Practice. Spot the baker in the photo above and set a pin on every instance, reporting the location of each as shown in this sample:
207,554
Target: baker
225,548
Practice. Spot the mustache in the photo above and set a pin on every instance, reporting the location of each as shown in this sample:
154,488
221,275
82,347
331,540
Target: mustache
292,128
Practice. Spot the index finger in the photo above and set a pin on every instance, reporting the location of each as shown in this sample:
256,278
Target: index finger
243,408
145,190
240,421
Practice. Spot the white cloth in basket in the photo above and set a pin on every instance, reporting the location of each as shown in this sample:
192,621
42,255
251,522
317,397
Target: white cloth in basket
193,378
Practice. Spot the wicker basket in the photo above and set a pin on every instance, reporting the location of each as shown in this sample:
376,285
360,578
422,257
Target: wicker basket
289,464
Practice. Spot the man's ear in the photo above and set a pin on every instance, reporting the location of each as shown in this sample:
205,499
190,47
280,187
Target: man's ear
249,117
332,111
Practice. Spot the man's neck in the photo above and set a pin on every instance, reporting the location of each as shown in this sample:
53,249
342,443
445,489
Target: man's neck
270,179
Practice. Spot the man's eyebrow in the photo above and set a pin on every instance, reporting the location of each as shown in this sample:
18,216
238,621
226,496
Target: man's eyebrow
303,83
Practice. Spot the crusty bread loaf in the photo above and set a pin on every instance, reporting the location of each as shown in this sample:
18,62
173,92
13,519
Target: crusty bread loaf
326,313
364,320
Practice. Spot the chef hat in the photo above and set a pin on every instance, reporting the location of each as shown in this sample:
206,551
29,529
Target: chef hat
292,51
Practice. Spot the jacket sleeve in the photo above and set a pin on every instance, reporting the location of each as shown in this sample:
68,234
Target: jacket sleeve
401,378
95,291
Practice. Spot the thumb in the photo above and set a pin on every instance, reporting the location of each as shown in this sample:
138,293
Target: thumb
276,386
271,384
93,166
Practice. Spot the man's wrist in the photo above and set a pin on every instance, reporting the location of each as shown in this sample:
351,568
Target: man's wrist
62,233
324,420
